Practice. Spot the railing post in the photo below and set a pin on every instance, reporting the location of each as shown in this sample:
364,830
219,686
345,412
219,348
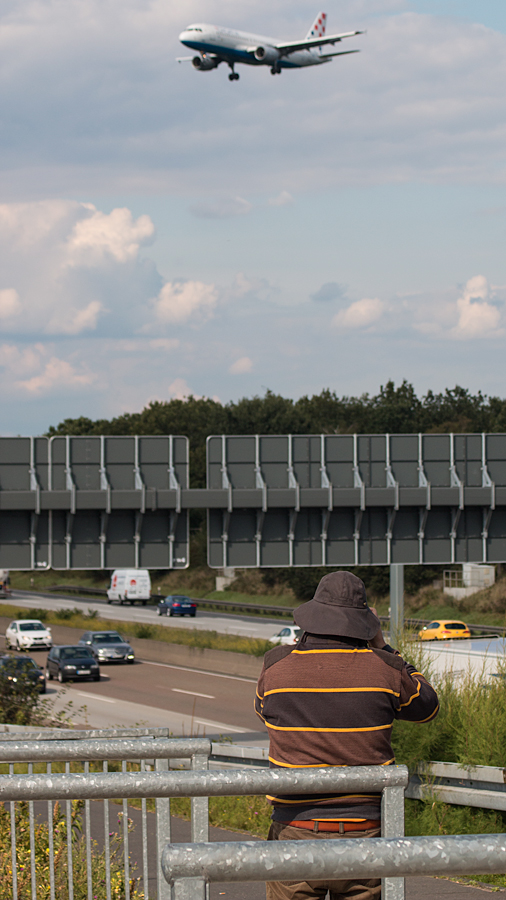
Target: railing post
200,805
392,825
189,889
162,833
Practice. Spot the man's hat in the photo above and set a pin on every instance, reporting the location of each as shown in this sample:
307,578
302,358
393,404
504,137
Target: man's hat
339,606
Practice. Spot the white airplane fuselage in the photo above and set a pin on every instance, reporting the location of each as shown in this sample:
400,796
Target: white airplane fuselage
241,47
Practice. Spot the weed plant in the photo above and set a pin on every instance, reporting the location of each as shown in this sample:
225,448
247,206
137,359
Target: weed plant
60,859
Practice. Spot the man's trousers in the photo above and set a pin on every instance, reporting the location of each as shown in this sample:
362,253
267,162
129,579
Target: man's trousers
363,889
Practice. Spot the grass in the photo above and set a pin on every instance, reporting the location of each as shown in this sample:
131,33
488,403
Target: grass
188,637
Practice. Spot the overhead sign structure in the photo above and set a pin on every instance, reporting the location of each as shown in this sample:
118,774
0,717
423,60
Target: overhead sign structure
348,500
278,500
93,502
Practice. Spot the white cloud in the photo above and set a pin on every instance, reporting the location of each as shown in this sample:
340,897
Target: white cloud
56,372
282,199
116,234
179,390
10,304
75,322
35,370
360,314
71,263
241,366
477,317
179,301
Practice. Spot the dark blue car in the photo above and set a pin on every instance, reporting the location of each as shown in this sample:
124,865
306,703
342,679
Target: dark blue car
177,605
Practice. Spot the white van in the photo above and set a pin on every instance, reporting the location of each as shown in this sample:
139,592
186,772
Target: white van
129,586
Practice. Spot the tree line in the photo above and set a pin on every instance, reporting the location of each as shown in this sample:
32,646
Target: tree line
393,410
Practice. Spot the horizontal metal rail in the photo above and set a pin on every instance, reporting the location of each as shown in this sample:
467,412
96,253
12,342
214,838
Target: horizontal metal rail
23,733
205,783
318,860
122,748
478,786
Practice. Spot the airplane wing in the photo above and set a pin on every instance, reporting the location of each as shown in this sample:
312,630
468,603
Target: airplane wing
338,53
293,46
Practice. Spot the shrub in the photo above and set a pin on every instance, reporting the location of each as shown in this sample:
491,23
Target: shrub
35,613
60,858
19,697
67,613
144,631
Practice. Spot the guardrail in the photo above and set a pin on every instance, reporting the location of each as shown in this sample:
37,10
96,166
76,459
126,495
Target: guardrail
201,601
267,610
199,784
189,868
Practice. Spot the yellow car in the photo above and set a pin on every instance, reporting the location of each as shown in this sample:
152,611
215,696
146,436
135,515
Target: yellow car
443,630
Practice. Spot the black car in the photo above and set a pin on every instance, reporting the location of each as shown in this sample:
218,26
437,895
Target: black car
177,605
71,663
107,646
16,669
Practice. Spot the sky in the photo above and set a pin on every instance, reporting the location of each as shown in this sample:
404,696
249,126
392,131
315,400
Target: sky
166,232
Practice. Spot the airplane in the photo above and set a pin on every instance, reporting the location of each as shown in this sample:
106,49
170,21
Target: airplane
215,45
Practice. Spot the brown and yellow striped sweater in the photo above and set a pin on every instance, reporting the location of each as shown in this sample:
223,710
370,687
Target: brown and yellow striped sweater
332,702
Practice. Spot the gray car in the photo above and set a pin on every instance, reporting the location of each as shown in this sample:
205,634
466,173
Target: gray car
108,646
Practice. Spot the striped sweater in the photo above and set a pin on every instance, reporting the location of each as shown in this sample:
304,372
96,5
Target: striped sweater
332,702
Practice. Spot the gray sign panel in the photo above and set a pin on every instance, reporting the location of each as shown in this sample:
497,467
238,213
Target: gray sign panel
345,500
93,502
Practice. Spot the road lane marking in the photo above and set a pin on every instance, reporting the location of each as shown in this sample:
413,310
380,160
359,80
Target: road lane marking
193,693
222,727
96,697
147,662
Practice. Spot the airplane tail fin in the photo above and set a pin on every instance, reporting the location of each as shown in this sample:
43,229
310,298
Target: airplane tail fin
318,27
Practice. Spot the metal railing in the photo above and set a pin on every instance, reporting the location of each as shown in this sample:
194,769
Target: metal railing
199,784
131,748
189,868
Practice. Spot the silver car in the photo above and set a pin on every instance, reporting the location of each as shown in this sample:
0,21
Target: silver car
108,646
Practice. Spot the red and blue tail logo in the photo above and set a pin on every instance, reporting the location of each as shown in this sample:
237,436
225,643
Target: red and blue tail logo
318,27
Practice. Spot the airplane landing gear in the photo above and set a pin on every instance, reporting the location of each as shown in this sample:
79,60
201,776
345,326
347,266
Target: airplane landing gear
234,76
276,70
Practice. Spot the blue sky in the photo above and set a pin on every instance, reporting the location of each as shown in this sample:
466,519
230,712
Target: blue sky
163,231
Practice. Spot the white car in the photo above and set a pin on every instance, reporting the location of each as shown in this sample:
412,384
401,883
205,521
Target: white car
288,635
27,634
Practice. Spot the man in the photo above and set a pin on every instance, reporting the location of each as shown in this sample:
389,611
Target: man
331,701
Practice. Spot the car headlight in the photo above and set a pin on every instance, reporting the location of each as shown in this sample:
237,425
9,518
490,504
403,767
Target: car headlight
69,667
131,656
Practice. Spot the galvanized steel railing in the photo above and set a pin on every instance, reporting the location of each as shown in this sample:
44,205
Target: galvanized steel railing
188,868
199,784
151,744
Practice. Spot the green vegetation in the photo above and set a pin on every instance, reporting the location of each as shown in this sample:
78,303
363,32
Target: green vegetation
60,858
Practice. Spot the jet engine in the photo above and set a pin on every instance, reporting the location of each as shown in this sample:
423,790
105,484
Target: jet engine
267,55
204,63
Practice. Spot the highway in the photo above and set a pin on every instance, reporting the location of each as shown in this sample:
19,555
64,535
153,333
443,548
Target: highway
224,623
188,701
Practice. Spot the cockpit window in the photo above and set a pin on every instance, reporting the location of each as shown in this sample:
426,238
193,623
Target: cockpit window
193,28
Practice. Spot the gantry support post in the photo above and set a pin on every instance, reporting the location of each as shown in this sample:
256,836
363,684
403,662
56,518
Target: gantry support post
396,601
